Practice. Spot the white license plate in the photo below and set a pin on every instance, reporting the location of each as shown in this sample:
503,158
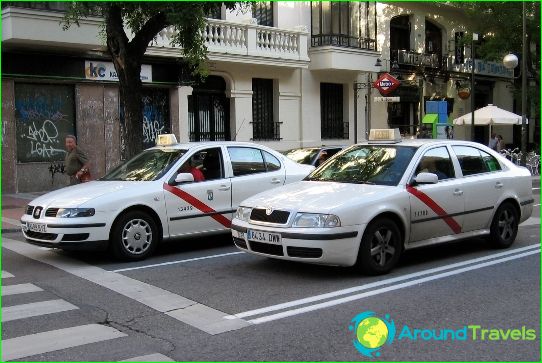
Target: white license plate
261,236
36,227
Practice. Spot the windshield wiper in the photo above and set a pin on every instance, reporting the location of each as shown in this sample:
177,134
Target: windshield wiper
365,182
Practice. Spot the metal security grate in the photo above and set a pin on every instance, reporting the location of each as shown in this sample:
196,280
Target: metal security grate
331,100
276,217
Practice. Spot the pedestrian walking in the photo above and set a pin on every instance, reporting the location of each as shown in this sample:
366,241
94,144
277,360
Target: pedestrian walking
500,144
493,141
76,162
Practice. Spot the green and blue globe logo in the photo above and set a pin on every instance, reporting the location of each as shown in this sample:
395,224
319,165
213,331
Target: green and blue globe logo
371,333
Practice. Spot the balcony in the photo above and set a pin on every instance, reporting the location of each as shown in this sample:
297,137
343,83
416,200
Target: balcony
244,43
409,58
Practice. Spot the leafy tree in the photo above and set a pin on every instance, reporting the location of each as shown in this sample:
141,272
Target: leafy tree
500,24
145,20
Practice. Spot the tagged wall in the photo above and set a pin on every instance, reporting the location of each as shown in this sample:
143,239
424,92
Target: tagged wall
9,169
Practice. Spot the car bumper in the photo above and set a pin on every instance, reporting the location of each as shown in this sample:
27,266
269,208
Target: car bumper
326,246
66,234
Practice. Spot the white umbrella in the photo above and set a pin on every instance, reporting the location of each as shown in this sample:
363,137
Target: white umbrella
489,115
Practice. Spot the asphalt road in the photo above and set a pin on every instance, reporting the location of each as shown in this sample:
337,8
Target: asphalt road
204,300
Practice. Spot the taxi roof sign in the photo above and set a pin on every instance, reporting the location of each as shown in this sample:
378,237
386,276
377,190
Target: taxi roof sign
166,140
385,135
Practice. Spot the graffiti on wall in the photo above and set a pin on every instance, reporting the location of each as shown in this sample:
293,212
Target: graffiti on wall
155,115
44,116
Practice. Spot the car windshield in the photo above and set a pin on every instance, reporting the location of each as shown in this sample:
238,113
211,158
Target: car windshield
302,156
149,165
366,164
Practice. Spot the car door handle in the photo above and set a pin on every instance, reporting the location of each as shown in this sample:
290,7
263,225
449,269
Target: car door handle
498,185
276,181
224,188
458,192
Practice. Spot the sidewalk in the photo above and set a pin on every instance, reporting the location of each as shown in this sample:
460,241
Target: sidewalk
14,206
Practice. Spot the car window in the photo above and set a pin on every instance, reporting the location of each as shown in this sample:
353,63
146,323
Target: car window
271,162
437,161
246,160
331,152
149,165
475,161
366,164
302,156
204,165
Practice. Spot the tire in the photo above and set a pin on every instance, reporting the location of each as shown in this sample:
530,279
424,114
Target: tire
380,233
134,236
504,227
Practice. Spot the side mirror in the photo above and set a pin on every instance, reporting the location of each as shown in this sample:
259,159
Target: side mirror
426,178
184,178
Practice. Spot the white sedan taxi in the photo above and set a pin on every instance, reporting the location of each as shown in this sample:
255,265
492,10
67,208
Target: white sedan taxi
368,203
168,191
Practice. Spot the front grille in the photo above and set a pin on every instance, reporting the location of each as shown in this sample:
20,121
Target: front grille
75,237
51,212
240,243
304,252
276,217
43,236
268,249
29,209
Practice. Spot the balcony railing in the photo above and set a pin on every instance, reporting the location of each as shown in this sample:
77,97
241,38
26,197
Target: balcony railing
343,41
246,39
409,58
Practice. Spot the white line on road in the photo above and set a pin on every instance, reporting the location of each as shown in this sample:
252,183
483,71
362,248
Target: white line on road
378,283
24,311
19,289
536,205
6,275
50,341
156,357
152,296
178,261
12,221
343,300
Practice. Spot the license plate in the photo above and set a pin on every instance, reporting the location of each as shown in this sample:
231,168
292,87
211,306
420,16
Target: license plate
261,236
36,227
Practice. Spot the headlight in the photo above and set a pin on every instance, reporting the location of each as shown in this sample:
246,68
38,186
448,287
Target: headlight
75,212
316,220
243,213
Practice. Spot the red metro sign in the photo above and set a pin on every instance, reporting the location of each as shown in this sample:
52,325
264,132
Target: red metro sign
386,84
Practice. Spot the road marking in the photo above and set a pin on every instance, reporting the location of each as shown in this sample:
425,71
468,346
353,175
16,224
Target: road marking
50,341
24,311
177,261
156,357
6,275
379,283
536,205
207,319
19,289
530,222
536,188
343,300
12,221
152,296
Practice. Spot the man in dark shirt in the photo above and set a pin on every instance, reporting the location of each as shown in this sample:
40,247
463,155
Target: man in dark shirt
76,161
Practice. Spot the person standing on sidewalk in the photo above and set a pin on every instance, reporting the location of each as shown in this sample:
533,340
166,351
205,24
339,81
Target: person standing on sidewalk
76,161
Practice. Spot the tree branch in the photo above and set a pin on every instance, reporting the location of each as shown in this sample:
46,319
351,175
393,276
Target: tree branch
148,32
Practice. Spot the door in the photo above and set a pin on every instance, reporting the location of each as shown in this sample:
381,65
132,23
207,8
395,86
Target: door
436,210
254,171
200,206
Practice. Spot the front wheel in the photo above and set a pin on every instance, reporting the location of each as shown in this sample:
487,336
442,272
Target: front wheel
134,236
504,227
380,248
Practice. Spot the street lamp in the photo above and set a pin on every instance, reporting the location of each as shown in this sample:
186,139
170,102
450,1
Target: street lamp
364,85
510,61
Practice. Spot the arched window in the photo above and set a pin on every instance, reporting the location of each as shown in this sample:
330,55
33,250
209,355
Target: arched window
344,24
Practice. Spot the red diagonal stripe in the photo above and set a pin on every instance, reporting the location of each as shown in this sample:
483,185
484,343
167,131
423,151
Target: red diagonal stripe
198,204
456,228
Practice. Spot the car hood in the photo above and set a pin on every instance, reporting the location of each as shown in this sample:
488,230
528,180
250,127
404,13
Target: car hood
320,197
77,195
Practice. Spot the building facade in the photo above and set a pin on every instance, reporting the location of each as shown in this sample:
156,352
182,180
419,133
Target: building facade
284,74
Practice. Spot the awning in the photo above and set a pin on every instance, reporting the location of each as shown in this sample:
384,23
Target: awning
490,115
430,118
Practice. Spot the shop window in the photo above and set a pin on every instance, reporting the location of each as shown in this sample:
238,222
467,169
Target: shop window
333,125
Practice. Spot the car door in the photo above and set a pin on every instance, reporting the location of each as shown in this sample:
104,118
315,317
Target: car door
202,206
254,170
436,209
483,182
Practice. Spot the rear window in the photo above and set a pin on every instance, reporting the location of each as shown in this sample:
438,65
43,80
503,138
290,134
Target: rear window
475,161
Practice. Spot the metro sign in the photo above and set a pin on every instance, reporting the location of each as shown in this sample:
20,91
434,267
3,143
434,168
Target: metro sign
386,84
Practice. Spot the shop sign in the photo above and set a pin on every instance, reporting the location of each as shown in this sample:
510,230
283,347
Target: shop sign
105,71
386,84
387,99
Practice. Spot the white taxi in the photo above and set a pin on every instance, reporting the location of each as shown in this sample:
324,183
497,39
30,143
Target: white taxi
168,191
368,203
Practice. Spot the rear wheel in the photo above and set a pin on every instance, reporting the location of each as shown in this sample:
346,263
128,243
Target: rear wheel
134,236
380,248
504,227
